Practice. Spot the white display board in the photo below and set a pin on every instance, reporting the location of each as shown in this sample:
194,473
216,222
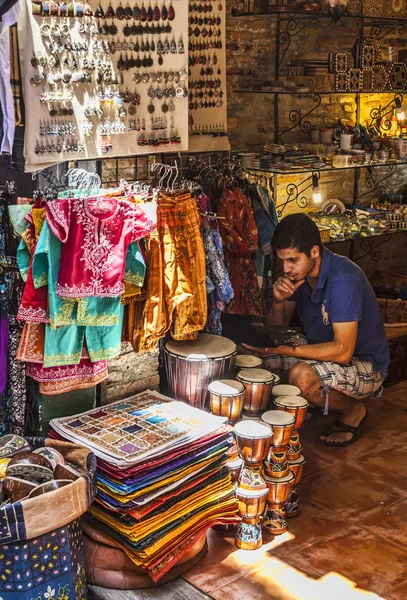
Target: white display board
43,37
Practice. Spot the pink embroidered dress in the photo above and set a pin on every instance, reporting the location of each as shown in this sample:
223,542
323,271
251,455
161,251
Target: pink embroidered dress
95,233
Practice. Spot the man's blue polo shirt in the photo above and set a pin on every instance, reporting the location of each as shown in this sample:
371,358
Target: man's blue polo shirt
343,294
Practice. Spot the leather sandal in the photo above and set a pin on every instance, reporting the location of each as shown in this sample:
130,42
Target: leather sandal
342,427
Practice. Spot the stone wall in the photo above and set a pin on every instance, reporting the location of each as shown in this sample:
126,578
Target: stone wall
130,373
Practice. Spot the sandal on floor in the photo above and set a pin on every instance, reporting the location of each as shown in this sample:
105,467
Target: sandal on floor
342,427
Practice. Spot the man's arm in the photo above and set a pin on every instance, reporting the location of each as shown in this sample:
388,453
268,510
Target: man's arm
340,350
280,313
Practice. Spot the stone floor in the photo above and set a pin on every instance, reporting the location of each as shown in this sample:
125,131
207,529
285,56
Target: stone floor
350,542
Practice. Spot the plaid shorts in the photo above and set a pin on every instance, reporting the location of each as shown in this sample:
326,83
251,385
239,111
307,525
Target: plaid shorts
357,379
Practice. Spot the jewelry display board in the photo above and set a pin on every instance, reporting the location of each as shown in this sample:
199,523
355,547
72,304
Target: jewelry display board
103,80
207,83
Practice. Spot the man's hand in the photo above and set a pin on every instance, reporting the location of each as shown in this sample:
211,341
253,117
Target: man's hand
260,352
284,288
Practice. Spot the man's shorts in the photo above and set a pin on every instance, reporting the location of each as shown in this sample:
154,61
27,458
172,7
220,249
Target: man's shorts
358,379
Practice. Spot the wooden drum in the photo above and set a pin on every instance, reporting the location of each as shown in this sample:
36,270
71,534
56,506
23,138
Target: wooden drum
296,468
286,390
282,425
226,398
253,441
279,488
191,366
251,502
247,361
295,405
258,384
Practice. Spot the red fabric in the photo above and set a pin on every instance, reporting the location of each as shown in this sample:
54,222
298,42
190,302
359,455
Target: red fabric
240,239
95,233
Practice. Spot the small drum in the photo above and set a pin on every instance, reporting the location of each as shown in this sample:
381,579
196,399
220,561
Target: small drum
253,441
294,446
275,521
251,478
226,398
295,405
276,464
191,366
246,361
251,502
297,467
279,488
282,426
258,384
235,467
277,379
286,390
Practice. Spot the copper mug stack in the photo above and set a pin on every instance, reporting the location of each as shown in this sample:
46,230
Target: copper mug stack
296,406
277,474
253,441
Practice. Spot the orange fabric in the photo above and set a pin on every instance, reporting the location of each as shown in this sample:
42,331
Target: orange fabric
175,283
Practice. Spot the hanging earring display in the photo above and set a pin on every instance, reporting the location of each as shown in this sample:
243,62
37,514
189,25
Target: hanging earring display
207,84
126,59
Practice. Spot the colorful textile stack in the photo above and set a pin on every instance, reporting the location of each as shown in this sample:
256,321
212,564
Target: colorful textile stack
161,478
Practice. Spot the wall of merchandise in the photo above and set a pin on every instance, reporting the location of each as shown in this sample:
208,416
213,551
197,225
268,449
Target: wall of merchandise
207,83
110,79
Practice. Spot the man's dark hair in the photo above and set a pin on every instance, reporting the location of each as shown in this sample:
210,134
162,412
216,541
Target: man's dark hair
297,231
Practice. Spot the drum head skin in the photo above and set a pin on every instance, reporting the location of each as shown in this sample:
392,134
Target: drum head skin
252,429
286,390
278,418
246,361
226,387
205,347
291,402
255,376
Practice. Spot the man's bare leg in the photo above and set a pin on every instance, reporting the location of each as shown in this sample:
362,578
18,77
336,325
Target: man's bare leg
351,412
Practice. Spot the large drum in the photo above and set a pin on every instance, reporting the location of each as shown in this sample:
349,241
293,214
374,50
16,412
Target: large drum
295,405
226,398
191,366
258,384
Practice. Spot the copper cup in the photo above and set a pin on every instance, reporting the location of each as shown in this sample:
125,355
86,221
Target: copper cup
226,398
295,405
282,424
253,441
258,384
279,488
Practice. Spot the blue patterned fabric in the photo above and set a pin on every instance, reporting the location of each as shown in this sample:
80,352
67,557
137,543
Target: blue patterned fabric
50,567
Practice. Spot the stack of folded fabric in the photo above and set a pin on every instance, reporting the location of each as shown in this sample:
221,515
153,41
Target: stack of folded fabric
161,475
